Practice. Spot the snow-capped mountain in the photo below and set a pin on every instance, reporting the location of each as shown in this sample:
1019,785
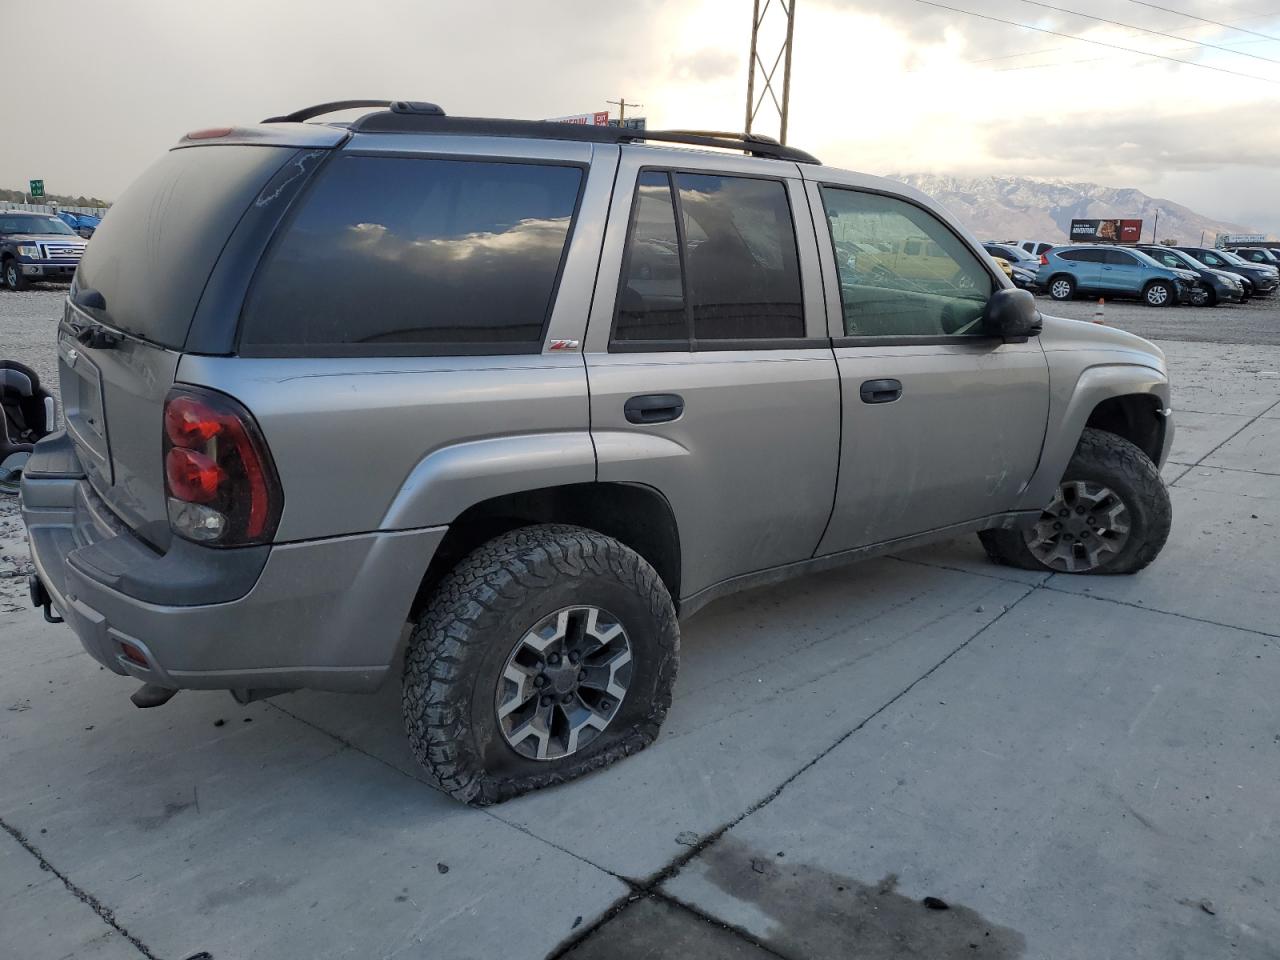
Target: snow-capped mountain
1018,208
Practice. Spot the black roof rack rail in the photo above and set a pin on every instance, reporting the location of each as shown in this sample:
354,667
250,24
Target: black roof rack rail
333,106
411,116
398,119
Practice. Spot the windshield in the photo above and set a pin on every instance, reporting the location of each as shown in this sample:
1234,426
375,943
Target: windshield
12,223
1230,257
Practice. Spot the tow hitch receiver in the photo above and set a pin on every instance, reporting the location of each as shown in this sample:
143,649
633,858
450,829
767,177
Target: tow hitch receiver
151,695
40,599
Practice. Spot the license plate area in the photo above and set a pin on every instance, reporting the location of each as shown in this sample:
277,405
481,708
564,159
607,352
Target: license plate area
83,408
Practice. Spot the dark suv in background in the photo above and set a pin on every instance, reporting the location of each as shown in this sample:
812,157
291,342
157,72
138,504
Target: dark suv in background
36,246
1219,286
1263,279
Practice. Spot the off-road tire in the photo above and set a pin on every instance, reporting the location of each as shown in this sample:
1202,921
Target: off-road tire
13,276
1055,289
473,621
1105,458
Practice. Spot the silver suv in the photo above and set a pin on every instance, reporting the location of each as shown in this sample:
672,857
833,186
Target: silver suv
538,391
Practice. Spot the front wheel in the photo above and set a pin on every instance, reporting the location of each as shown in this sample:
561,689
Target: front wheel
1159,294
548,652
14,278
1111,514
1062,288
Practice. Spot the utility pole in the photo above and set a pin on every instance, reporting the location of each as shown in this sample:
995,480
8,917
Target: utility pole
1155,227
621,104
756,63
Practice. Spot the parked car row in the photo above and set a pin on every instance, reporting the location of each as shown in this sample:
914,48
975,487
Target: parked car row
1158,275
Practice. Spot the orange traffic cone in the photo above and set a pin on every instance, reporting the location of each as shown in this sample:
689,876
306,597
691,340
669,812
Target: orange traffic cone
1099,315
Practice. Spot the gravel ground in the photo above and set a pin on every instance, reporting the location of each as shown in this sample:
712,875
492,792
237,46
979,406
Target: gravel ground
27,323
1257,321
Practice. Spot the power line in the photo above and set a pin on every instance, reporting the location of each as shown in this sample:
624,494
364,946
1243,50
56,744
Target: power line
1096,43
1154,33
1216,23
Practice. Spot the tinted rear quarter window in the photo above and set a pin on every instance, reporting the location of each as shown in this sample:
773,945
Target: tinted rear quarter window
156,247
393,255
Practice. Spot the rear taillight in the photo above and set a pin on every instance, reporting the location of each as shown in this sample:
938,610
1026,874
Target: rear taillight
220,484
1044,261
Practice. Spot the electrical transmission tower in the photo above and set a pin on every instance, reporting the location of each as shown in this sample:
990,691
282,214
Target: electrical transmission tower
757,65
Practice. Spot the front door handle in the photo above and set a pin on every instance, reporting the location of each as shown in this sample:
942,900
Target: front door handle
654,408
880,391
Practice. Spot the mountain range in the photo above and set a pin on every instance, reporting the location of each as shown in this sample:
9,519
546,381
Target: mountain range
1018,208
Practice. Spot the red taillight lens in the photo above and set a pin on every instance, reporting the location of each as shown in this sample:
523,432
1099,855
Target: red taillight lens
221,484
191,475
1044,261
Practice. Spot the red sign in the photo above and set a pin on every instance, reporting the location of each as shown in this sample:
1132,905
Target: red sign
598,119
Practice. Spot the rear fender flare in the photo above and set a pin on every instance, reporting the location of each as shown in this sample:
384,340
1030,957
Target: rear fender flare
450,479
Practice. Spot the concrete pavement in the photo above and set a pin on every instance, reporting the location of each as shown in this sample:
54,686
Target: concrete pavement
1076,767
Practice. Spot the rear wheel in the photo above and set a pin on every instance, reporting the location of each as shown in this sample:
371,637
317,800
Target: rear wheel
14,278
1159,294
1062,288
547,653
1111,514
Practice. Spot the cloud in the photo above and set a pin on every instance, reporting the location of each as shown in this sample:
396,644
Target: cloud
705,65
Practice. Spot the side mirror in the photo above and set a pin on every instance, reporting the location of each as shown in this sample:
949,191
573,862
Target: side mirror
1012,316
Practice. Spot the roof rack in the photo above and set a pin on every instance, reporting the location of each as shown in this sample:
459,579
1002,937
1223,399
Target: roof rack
404,116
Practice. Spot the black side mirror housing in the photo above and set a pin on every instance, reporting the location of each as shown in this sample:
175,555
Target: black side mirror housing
1012,316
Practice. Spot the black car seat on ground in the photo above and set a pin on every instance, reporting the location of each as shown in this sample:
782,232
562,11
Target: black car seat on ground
26,415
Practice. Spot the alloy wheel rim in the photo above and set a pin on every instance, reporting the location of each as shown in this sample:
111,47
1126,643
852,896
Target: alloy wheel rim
1157,295
1085,525
1061,289
563,683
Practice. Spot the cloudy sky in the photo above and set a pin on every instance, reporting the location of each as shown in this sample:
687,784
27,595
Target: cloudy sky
895,85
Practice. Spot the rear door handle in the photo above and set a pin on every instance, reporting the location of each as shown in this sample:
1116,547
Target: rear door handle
880,391
654,408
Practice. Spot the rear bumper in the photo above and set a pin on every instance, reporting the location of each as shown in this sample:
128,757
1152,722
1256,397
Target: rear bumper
323,614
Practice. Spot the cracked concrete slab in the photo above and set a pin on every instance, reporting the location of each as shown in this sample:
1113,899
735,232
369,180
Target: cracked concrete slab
653,929
1195,435
767,681
1106,790
1255,448
40,917
256,839
1219,563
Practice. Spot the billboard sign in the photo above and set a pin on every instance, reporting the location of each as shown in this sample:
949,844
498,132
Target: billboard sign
1235,239
598,119
1106,231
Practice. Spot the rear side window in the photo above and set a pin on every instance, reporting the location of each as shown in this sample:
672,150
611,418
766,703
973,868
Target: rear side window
405,256
1082,256
156,247
1119,258
709,258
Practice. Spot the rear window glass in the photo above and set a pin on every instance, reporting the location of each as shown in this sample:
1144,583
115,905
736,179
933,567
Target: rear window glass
416,256
158,243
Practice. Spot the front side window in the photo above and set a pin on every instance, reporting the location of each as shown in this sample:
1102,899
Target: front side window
709,258
902,272
416,256
1213,261
1168,259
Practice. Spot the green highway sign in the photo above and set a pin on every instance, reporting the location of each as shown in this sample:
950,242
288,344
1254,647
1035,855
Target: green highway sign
37,188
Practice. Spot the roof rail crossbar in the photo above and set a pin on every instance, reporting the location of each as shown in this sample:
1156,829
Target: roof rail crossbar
400,120
320,109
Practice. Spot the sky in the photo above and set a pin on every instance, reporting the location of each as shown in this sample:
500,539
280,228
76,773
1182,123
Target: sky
880,87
